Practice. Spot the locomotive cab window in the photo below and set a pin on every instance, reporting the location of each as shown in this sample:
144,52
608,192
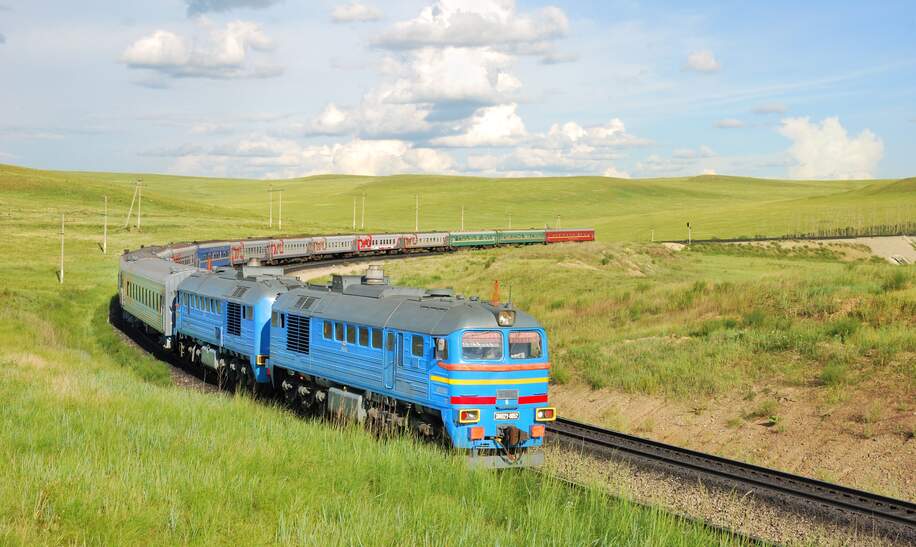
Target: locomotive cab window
442,349
417,346
482,345
524,345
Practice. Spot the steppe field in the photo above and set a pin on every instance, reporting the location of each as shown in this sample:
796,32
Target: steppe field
801,357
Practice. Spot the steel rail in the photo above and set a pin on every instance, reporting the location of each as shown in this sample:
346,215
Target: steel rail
757,478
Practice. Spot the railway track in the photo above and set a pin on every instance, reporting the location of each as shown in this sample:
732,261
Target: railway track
899,514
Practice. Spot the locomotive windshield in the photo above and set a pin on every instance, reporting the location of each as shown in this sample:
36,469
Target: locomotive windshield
482,345
524,345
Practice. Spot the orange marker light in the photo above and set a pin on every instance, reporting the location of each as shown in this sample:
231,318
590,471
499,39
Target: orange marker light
475,433
537,431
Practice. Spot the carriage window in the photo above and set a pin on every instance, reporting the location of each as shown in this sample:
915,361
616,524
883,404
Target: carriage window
482,345
338,332
524,345
351,334
390,343
376,339
328,330
417,346
364,336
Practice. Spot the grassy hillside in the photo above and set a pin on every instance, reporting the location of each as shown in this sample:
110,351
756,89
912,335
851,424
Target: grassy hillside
702,321
99,448
621,209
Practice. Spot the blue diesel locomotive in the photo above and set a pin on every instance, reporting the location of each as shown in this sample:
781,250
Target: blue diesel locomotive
430,361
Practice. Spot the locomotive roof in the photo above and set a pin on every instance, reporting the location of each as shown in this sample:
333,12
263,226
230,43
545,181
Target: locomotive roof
230,284
436,311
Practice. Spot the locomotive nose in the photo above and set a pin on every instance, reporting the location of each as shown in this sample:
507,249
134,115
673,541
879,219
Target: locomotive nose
512,436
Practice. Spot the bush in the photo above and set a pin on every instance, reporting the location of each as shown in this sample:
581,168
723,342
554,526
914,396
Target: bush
834,374
895,281
844,328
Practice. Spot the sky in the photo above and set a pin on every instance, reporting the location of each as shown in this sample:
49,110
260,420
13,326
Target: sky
285,88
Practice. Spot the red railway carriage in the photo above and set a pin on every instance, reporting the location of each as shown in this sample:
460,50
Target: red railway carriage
560,236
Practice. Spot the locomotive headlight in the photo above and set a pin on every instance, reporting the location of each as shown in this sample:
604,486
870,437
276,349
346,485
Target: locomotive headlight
468,416
505,318
545,414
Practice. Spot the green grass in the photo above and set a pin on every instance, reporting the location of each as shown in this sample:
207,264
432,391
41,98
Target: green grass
99,447
697,323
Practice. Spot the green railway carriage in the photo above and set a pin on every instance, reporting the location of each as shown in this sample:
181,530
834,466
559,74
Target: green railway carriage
147,290
516,237
473,239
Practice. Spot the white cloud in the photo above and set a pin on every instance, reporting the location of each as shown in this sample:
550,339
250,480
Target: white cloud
683,161
614,173
771,108
477,23
491,126
259,155
217,53
197,7
702,61
451,74
355,12
729,123
825,150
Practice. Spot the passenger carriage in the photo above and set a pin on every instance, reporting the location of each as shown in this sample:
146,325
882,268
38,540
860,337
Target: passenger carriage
147,291
213,255
563,236
473,239
520,237
425,240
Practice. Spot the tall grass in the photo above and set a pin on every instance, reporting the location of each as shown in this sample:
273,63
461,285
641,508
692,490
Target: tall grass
99,448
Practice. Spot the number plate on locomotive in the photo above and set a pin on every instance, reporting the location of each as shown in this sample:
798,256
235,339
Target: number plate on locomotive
505,416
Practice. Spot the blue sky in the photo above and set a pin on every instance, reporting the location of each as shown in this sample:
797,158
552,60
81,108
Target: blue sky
279,88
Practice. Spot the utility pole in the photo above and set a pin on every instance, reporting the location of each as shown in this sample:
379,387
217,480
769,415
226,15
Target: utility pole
280,211
105,229
270,201
416,224
558,221
510,221
653,235
689,234
131,209
139,200
362,219
62,249
354,213
462,218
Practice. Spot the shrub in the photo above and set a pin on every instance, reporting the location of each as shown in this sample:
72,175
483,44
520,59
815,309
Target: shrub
844,328
834,374
895,281
754,318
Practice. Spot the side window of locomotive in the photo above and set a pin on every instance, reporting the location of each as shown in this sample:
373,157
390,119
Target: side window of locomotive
338,332
351,334
376,339
390,344
274,319
442,349
417,346
328,330
364,336
524,345
482,345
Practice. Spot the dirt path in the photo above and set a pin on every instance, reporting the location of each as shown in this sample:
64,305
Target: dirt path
888,247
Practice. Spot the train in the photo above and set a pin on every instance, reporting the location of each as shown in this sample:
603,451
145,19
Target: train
470,372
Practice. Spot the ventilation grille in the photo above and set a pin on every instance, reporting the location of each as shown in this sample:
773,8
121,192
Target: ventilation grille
305,302
506,394
297,333
233,319
238,292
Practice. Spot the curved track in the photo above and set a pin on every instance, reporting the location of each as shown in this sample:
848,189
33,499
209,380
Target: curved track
733,473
